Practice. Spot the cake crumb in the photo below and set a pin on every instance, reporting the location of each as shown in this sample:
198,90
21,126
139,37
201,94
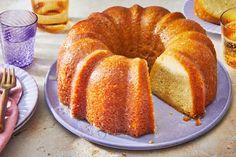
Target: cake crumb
94,152
171,113
228,147
198,122
186,118
123,155
151,142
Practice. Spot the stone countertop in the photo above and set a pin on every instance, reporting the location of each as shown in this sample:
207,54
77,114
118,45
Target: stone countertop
43,136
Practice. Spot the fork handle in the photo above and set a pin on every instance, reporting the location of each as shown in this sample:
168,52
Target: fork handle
3,108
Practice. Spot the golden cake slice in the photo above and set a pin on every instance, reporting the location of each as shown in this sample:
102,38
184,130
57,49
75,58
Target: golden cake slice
185,76
211,10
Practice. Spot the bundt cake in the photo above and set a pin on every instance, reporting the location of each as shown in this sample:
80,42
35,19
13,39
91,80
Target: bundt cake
211,10
110,62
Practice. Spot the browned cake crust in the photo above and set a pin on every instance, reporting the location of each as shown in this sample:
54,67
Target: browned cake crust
76,53
179,26
80,82
166,20
196,36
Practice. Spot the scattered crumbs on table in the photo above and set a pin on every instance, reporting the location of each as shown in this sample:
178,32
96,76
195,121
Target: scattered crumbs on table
228,147
198,121
233,139
123,155
94,152
150,141
186,118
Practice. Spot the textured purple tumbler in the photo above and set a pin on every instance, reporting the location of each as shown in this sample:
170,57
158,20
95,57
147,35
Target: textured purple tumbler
18,29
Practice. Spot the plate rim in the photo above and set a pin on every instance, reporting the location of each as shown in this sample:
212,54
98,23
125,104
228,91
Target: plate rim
147,146
30,113
17,128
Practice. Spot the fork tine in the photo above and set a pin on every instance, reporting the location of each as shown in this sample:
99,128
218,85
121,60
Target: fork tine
9,76
4,76
13,79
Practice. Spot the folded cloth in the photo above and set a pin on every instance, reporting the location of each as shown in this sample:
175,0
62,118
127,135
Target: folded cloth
11,113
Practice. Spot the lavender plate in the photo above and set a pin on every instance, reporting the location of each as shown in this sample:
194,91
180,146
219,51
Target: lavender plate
171,129
189,13
28,101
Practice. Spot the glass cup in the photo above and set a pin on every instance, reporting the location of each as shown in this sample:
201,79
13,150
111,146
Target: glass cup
228,29
18,29
52,14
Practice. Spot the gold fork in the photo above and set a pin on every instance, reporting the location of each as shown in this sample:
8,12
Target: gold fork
8,82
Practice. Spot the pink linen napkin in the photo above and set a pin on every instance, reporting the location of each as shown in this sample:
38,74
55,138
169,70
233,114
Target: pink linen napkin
11,113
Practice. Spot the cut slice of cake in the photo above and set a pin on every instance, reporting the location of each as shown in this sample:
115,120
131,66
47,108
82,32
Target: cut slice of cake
170,80
210,10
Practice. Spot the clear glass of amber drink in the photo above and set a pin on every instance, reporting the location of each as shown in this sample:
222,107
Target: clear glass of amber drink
228,31
52,14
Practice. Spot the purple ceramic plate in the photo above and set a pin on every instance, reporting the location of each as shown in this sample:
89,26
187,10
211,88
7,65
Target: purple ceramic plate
171,130
189,14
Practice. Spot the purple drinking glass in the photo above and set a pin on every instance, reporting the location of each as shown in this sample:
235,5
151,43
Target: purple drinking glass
18,29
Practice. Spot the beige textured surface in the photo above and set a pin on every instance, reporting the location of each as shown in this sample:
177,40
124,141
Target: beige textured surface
42,136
